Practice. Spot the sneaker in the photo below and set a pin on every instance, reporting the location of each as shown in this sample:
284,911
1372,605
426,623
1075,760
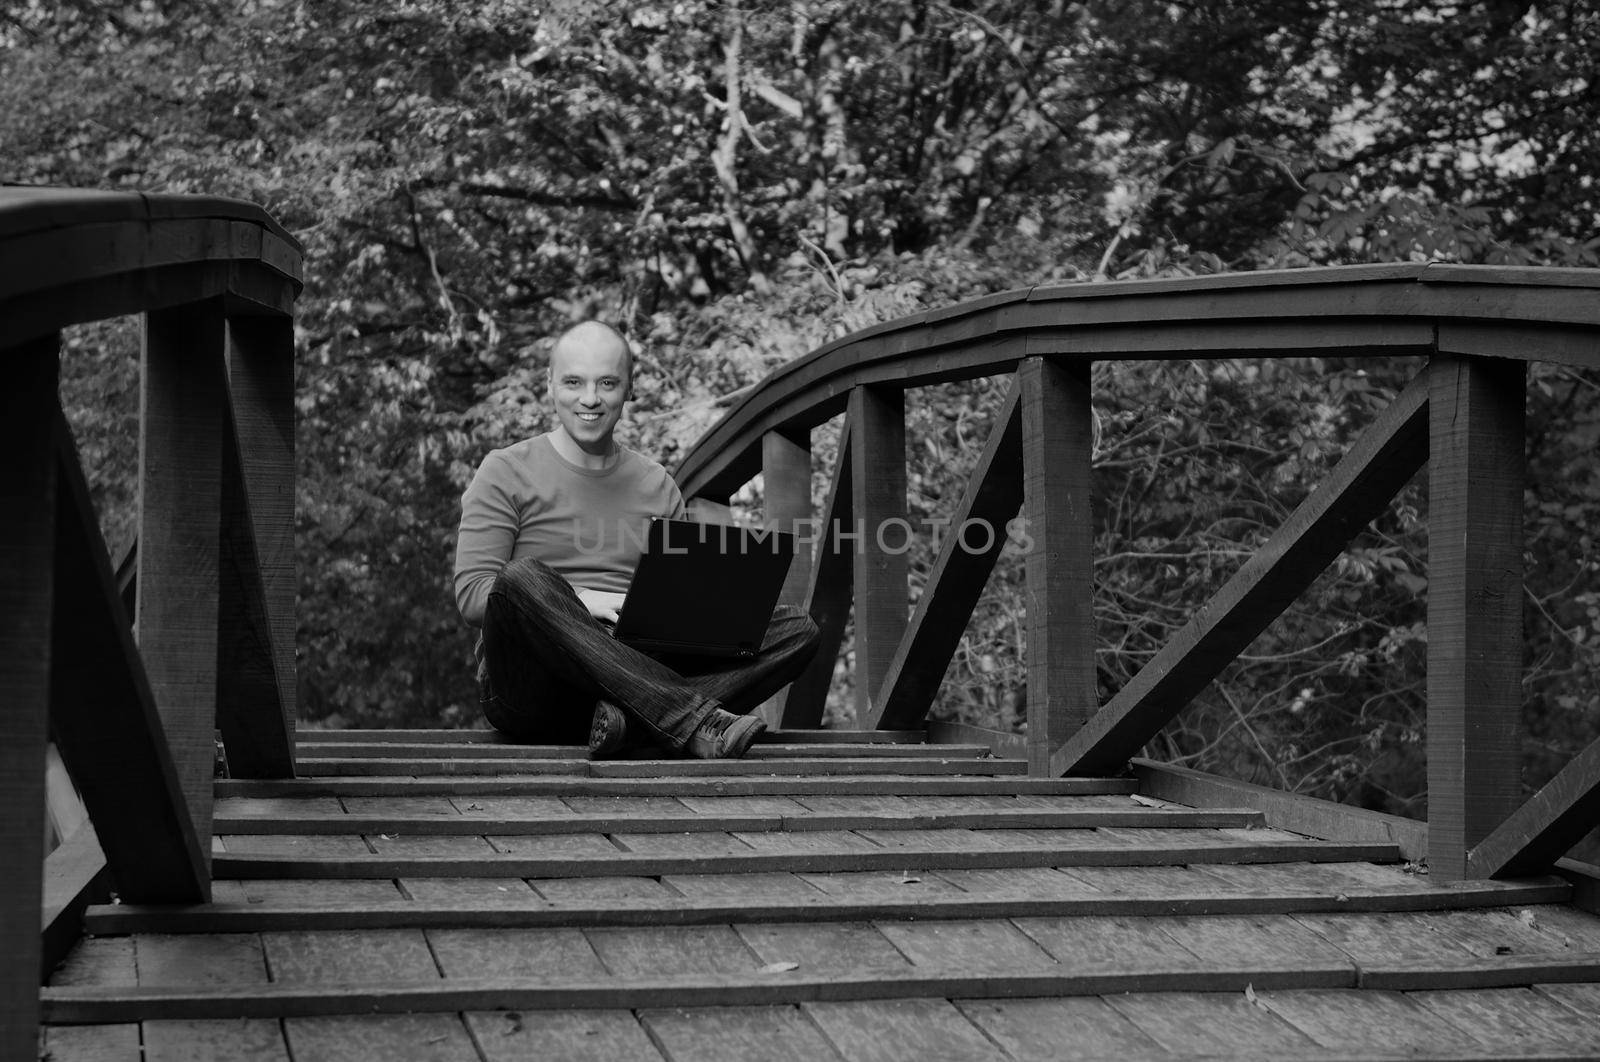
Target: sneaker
725,736
608,732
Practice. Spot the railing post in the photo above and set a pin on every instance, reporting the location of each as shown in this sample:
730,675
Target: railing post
1476,471
1057,444
180,505
786,481
256,642
786,475
878,486
27,550
827,598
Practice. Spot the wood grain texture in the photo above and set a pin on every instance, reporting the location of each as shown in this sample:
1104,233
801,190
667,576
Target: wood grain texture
357,1037
1475,481
786,501
971,546
572,1036
107,724
878,488
1336,909
900,1030
765,750
1547,825
256,1040
885,783
1360,310
1512,1018
73,256
797,821
1223,1024
786,480
828,595
27,603
1286,811
556,992
256,638
1345,1019
181,415
1057,442
1005,744
1480,971
547,857
74,877
1052,1028
494,737
1359,487
88,1043
726,1034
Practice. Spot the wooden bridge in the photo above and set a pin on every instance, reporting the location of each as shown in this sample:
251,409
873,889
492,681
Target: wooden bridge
908,891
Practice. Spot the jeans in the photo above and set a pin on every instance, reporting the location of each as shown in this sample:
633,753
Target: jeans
549,661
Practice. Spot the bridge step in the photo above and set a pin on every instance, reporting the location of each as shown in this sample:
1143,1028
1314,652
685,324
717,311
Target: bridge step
333,767
862,899
306,737
1015,974
431,750
880,783
708,899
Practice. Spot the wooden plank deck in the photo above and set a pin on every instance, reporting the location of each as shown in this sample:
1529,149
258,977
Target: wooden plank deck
856,898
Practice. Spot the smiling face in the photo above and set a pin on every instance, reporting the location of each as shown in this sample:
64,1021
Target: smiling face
588,377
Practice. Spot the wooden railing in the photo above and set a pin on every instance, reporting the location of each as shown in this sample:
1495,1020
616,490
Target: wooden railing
134,702
1462,416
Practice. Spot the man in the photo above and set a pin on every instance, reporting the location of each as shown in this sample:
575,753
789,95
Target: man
551,531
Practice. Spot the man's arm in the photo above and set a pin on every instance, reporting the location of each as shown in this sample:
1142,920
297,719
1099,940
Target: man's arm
603,605
486,538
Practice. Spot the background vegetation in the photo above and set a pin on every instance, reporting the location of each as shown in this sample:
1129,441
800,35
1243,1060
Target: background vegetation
738,182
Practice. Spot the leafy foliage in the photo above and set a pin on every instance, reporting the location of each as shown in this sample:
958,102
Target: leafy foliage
737,182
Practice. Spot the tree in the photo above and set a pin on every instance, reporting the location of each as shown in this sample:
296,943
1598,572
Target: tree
738,182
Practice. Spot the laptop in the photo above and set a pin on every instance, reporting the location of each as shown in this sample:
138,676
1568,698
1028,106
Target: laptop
704,589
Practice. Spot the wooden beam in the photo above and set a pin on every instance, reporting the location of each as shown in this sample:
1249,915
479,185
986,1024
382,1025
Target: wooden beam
27,550
972,544
1284,811
107,725
75,876
1002,743
786,478
827,597
1474,603
1057,446
180,506
1388,454
881,536
786,489
1543,829
256,635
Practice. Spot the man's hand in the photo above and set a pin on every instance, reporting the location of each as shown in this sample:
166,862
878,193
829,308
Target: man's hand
602,605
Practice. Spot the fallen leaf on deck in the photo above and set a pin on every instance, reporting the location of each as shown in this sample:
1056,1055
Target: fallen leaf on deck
779,967
908,879
1250,997
1149,802
1528,918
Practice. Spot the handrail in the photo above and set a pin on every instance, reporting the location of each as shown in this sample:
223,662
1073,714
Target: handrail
215,280
1349,310
1461,416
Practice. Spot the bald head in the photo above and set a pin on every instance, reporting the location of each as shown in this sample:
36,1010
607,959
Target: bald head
592,338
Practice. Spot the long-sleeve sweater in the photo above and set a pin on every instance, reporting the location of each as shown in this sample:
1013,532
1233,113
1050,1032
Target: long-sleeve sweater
589,525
